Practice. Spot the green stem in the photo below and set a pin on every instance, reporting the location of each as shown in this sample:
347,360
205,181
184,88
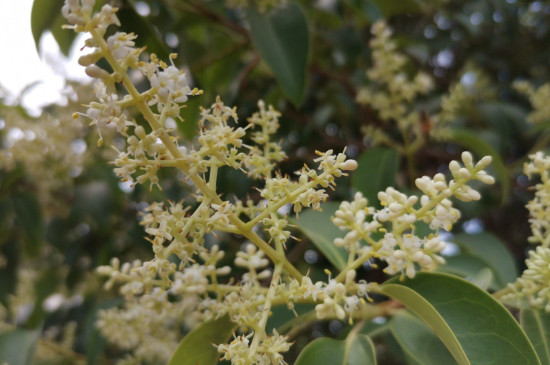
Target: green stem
259,331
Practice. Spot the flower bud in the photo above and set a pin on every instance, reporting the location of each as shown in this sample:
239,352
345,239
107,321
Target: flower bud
467,159
89,59
96,72
348,165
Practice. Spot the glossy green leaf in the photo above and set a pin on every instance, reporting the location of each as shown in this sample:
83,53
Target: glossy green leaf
282,317
196,347
356,349
190,115
474,327
317,226
17,346
536,324
395,7
131,21
492,251
465,265
367,8
479,146
63,37
282,39
377,170
483,278
29,218
44,14
418,341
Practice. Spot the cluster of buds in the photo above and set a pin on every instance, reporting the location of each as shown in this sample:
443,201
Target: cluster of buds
538,99
399,247
533,283
184,266
392,90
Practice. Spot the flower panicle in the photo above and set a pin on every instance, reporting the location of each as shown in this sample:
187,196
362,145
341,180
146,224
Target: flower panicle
399,247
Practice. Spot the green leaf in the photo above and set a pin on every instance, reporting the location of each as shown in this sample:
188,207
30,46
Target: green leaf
483,278
536,324
282,39
63,37
17,346
377,170
131,21
396,7
479,146
418,341
493,252
318,227
356,349
190,115
197,348
29,217
281,316
465,265
474,327
44,14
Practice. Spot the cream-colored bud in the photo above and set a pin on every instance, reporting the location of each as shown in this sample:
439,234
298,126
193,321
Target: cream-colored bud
89,59
96,72
467,158
395,207
454,166
350,276
484,162
464,173
140,132
399,254
348,165
421,183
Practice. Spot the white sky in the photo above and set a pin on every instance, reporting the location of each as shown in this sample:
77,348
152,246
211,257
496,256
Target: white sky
20,64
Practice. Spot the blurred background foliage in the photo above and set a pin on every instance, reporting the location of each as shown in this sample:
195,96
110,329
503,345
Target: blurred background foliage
52,236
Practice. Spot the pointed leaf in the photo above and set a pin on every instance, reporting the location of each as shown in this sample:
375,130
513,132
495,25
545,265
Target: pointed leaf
63,37
491,250
132,21
356,349
483,278
395,7
317,226
377,170
466,266
197,348
29,217
44,14
536,324
17,346
474,327
418,341
282,39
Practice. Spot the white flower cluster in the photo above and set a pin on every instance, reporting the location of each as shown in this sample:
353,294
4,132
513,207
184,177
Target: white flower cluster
268,352
539,207
399,247
460,97
539,100
52,149
391,90
261,161
148,326
533,283
183,268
